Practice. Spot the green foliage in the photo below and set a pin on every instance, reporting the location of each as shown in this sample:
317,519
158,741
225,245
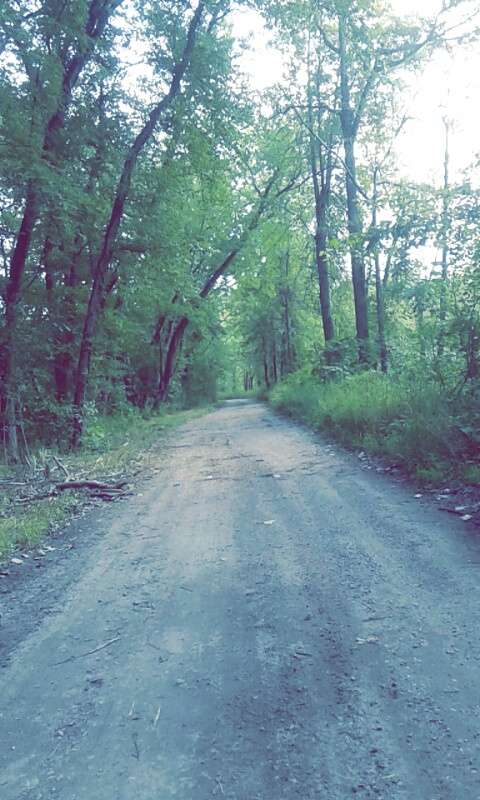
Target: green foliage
26,526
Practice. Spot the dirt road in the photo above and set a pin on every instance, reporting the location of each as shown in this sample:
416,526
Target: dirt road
264,621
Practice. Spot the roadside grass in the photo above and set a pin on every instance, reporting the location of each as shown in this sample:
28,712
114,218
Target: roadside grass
408,422
240,395
113,446
25,527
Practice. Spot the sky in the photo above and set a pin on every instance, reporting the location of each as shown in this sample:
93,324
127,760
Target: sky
448,86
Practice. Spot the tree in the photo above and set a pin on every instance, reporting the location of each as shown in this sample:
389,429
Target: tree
104,258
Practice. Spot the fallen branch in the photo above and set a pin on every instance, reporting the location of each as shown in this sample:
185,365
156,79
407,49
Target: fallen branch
109,496
32,497
110,487
100,647
88,653
102,491
62,468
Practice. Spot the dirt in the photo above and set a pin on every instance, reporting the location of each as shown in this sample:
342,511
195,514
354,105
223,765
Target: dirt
265,620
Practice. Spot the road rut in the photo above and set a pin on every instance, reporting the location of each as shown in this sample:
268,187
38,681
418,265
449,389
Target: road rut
266,620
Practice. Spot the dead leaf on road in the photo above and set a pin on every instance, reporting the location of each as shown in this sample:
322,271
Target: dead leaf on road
368,640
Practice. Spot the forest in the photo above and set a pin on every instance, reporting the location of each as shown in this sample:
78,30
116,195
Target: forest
170,236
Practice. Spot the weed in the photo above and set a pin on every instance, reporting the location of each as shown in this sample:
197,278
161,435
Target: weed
471,474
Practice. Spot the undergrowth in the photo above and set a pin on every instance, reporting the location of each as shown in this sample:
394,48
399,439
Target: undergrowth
411,422
112,446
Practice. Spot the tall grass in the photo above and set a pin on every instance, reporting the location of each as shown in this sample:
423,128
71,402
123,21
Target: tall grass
409,421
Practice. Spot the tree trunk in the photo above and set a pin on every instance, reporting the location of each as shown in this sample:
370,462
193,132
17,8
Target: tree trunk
349,126
265,372
445,248
355,229
472,354
321,171
324,285
380,305
169,367
286,363
7,342
10,430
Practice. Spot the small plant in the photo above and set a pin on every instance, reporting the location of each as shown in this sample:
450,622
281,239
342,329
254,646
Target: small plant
471,474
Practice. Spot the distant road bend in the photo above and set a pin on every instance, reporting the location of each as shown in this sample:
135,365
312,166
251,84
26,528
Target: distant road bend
266,620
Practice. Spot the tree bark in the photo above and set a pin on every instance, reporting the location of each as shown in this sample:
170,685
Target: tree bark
286,316
473,341
444,242
266,377
321,170
349,123
169,366
274,362
380,305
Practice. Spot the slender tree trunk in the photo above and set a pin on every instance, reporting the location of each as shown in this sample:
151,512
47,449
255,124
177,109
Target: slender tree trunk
170,357
355,227
473,342
10,432
111,232
388,265
445,248
419,308
8,400
265,372
380,305
321,167
324,284
288,360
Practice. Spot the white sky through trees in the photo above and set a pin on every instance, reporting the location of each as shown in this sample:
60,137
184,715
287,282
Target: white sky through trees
447,86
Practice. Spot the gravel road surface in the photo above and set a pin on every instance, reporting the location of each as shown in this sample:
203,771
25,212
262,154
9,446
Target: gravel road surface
265,620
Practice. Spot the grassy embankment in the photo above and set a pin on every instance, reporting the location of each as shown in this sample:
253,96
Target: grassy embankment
112,446
411,423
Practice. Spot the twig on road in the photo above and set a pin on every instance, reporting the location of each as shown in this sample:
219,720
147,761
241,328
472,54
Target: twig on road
88,653
136,754
157,716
